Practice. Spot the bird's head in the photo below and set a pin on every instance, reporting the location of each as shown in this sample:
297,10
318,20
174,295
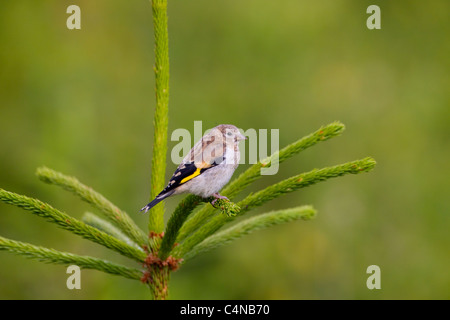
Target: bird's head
229,132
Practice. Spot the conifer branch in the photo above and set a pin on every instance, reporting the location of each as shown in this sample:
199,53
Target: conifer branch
159,9
304,180
71,224
249,225
175,222
227,207
57,257
271,192
110,211
181,213
160,276
105,226
254,172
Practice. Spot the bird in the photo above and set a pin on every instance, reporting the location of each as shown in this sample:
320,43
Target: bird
207,168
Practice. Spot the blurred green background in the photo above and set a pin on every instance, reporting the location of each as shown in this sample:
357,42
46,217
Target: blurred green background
81,102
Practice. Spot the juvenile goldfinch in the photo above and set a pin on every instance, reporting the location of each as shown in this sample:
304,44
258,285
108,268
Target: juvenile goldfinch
207,168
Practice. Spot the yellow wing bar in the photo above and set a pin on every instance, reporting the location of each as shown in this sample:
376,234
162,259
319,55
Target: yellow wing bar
192,176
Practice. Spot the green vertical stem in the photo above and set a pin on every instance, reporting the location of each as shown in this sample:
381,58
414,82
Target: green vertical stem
159,7
159,279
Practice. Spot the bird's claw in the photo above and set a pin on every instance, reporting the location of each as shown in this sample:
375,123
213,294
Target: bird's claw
217,197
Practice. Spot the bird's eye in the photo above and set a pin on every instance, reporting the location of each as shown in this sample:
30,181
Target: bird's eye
229,134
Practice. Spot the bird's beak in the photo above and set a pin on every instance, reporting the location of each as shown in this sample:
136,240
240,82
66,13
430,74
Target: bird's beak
241,137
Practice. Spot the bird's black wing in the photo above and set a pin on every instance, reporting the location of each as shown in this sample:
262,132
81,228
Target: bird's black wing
184,173
188,171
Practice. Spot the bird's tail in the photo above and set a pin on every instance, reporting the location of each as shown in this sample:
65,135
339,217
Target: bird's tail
160,197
